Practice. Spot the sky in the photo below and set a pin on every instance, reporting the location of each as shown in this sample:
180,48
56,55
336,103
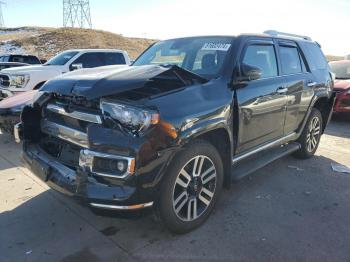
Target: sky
325,21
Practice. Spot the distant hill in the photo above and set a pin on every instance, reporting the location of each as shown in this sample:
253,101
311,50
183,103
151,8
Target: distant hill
46,42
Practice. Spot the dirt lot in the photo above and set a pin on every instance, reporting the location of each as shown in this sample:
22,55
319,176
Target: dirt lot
289,211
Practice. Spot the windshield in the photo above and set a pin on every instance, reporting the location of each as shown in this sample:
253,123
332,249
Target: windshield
204,56
341,70
62,58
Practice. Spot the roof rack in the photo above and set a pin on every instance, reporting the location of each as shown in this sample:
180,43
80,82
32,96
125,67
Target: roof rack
276,33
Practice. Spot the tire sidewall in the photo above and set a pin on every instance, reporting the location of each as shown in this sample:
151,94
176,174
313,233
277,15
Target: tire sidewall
304,153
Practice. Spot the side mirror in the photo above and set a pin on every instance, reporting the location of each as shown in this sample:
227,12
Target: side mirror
74,67
250,72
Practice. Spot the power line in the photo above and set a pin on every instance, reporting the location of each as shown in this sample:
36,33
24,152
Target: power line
2,23
76,13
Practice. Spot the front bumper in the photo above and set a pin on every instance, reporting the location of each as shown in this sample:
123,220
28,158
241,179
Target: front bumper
4,93
79,183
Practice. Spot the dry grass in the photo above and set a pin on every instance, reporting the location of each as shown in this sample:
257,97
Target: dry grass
47,42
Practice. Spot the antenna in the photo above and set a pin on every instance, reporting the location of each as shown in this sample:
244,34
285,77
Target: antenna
76,12
2,23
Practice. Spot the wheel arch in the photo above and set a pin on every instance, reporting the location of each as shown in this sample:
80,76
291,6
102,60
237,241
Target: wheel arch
221,140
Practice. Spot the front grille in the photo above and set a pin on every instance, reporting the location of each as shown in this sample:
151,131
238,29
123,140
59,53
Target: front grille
69,123
4,80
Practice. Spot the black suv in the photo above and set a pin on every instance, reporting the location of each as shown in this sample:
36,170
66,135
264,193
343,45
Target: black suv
188,117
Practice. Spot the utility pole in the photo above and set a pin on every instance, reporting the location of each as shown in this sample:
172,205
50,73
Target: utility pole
76,13
2,23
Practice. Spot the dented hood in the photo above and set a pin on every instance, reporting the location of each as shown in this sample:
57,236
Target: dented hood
101,82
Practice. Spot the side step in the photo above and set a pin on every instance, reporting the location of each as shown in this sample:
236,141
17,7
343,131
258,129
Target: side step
253,163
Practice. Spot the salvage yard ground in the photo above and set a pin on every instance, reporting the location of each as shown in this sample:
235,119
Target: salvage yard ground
290,210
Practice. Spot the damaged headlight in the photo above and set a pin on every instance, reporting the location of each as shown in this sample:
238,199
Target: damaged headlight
19,81
134,118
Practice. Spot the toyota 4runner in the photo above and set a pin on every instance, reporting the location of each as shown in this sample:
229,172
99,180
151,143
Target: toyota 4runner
188,117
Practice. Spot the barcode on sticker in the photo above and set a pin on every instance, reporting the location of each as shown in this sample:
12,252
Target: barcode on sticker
216,46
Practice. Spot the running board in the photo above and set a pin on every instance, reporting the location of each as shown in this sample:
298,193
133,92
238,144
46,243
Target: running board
253,163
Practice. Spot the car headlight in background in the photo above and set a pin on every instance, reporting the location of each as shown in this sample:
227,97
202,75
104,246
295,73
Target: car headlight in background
134,118
19,81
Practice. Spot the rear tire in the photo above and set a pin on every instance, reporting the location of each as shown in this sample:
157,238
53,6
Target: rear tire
191,187
311,135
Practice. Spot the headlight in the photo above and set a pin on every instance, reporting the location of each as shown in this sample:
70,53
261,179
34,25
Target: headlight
134,118
19,81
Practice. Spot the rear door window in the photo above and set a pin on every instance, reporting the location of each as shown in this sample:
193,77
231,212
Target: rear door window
290,60
263,57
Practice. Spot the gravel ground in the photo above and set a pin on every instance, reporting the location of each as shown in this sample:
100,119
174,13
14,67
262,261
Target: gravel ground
291,210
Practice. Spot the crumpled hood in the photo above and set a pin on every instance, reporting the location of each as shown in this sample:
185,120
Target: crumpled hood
342,84
31,69
100,82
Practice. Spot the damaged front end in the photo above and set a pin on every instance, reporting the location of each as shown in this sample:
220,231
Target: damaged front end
109,150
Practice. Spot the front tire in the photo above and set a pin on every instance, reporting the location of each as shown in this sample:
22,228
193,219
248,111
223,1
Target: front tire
311,135
191,187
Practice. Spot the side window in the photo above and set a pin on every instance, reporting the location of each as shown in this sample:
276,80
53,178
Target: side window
290,60
113,59
262,56
315,57
90,60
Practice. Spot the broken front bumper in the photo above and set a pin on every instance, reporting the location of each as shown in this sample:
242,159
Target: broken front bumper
79,183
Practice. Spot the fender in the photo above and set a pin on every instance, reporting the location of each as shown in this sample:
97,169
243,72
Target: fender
331,100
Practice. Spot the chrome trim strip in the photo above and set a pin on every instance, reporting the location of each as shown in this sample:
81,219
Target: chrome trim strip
86,160
66,133
92,118
266,146
114,207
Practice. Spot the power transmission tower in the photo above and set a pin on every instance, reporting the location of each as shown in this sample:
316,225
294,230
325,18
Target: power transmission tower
76,12
2,23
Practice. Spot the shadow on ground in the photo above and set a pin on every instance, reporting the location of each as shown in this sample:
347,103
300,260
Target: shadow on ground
291,210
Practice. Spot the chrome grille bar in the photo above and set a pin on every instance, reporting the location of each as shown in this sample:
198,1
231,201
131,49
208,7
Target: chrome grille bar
92,118
66,133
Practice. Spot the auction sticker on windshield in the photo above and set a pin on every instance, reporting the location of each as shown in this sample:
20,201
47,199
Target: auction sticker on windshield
216,46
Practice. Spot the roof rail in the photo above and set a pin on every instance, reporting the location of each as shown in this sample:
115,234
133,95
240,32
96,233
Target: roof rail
276,33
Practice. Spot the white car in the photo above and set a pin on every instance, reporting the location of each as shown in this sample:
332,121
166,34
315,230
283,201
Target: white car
15,80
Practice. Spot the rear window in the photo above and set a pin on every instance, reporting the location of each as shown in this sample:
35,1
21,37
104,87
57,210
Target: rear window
24,59
315,57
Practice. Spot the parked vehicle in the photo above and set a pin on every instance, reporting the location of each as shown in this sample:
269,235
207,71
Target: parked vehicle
11,108
25,59
171,130
341,69
15,80
5,65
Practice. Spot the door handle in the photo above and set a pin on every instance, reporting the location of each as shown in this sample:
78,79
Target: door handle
311,84
282,90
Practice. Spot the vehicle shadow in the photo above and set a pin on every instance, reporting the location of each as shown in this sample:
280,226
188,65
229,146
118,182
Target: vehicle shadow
339,126
298,199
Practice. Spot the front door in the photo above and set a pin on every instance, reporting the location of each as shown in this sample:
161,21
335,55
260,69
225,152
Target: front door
262,102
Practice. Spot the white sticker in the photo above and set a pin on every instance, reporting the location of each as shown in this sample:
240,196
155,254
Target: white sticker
216,46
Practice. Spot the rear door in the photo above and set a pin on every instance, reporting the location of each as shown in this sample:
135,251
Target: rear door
296,79
261,103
